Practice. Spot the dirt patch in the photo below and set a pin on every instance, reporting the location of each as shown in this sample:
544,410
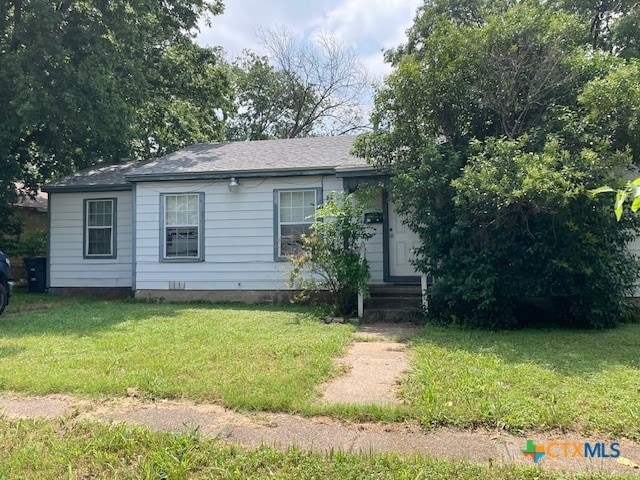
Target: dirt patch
398,332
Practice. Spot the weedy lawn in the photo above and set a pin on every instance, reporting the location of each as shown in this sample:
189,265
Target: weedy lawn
275,357
71,450
249,357
528,379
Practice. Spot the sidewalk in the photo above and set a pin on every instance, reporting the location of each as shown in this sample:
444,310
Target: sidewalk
372,367
316,433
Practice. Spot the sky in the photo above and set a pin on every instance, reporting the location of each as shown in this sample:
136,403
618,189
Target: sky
370,26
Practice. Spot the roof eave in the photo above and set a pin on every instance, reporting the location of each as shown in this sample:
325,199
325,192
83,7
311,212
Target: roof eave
86,188
366,170
286,172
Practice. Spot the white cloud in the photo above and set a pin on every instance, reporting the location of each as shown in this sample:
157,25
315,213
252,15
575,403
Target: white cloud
235,29
369,22
369,25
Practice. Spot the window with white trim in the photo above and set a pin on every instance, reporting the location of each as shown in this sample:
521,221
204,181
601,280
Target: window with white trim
182,226
295,211
99,228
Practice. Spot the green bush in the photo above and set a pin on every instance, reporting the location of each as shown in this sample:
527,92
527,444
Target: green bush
331,257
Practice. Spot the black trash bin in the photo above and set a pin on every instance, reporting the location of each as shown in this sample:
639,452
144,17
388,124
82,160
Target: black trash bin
36,268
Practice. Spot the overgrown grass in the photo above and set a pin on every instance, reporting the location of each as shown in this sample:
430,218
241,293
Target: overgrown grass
530,379
72,450
22,302
251,357
274,358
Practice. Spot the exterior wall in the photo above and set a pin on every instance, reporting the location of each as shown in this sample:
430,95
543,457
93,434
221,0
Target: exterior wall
67,267
238,235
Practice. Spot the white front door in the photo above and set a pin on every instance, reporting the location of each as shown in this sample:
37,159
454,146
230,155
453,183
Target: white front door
402,243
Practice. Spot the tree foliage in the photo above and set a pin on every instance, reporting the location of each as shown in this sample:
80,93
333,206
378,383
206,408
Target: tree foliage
267,102
84,82
299,88
497,120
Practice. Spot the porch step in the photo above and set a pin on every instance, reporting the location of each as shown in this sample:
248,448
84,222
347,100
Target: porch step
393,303
393,315
395,290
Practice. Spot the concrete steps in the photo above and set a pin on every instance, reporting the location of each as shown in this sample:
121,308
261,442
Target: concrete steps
393,303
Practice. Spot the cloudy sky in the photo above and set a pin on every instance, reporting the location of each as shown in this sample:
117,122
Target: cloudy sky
369,25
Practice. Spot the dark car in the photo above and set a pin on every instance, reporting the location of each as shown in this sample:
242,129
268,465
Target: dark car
6,281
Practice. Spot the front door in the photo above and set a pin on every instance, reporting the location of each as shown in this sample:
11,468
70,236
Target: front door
402,242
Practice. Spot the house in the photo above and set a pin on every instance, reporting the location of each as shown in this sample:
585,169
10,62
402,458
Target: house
31,212
210,221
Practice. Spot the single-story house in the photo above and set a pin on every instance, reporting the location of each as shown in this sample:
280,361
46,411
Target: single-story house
211,221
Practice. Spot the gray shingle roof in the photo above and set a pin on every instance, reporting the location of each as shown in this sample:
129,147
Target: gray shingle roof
256,156
111,176
268,157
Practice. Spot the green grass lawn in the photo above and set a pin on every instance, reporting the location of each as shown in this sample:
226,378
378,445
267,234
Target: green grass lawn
71,450
252,357
274,358
531,379
22,302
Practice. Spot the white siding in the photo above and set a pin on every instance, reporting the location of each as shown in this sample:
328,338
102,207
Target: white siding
239,235
375,255
67,266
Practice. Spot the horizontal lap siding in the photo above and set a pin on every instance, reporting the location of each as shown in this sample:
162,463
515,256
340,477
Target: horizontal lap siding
239,235
374,255
67,266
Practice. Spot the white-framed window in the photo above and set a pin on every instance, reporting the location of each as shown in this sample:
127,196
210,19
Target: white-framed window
182,226
100,228
294,212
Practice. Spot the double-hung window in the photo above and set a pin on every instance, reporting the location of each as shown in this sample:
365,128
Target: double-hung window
182,227
100,228
294,212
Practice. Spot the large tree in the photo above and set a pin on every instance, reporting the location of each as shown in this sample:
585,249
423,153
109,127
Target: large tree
80,79
495,125
299,88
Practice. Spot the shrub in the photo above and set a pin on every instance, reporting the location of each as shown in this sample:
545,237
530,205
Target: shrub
331,257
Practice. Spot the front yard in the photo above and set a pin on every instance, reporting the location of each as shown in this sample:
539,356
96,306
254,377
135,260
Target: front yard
245,357
529,380
275,357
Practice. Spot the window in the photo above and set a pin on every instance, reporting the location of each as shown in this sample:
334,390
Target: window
294,212
182,219
99,228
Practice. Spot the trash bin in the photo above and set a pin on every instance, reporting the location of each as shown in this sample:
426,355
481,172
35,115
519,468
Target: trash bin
36,268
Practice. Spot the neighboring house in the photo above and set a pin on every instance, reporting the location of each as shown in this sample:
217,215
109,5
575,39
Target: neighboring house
32,214
211,221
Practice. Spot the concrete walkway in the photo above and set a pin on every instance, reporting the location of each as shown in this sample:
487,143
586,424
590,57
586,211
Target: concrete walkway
315,433
326,434
373,366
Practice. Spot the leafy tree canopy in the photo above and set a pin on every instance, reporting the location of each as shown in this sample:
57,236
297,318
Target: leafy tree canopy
498,118
90,81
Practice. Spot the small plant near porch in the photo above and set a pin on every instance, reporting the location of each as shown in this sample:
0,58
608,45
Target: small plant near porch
331,259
